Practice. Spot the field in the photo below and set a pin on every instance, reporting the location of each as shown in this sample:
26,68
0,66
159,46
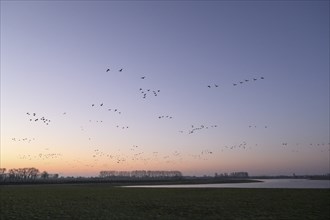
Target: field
102,201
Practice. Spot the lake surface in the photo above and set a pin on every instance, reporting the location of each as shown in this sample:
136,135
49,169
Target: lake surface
267,183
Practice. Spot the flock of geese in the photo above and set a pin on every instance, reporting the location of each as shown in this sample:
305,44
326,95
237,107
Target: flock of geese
28,140
145,92
33,118
40,156
137,152
215,85
165,117
247,80
114,110
195,128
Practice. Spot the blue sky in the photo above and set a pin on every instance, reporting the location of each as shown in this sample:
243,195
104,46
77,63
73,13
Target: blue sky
54,57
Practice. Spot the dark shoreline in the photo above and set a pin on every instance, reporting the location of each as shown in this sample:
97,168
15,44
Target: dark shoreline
124,181
130,182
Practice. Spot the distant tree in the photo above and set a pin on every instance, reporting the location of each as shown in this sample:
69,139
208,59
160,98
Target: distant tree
44,175
240,174
32,173
2,173
23,173
13,174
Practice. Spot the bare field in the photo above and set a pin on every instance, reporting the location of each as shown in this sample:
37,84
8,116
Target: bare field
102,201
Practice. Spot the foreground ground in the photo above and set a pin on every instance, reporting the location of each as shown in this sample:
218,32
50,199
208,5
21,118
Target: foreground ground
101,201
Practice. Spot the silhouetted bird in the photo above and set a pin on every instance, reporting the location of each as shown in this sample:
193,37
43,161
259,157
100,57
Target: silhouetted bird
209,86
120,70
216,85
234,84
143,77
262,78
107,70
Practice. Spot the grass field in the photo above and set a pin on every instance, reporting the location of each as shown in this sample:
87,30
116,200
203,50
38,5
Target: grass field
101,201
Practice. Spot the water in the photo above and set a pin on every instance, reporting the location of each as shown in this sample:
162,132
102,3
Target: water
267,183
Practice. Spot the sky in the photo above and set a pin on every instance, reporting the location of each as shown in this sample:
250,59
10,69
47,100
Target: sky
202,87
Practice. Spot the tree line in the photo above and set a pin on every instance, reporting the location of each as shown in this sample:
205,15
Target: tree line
24,174
30,175
140,174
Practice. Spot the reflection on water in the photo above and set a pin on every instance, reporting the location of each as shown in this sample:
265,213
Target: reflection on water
267,183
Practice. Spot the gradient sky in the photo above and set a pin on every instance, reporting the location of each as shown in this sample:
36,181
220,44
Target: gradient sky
54,57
